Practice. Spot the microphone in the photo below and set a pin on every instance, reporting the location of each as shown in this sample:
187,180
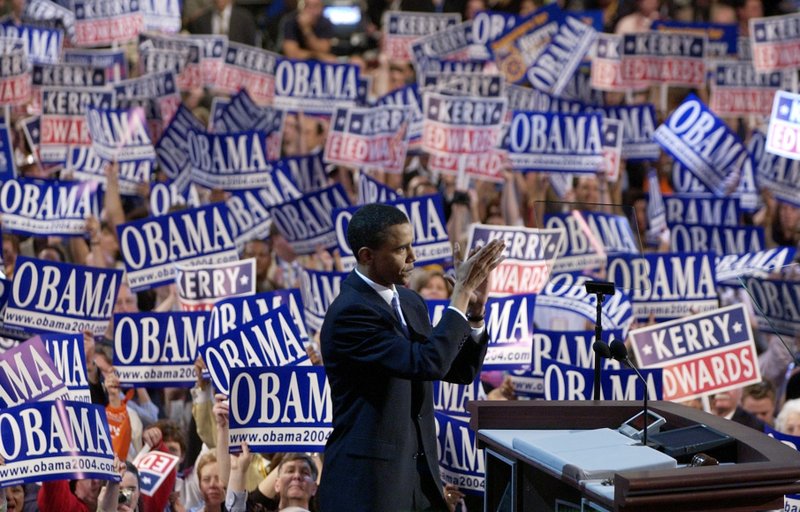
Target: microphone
619,352
601,349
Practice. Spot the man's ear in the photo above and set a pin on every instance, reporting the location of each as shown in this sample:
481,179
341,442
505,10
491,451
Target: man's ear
364,255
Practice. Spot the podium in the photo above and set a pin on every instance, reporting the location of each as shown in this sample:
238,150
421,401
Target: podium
754,472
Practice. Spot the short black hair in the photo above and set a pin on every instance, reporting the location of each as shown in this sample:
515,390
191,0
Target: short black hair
368,226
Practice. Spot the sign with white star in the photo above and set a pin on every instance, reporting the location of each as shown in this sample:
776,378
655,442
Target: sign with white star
783,134
200,287
154,468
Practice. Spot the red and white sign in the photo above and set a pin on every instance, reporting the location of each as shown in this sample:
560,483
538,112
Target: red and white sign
154,467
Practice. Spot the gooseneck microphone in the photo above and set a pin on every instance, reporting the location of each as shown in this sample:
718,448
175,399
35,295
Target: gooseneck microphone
619,352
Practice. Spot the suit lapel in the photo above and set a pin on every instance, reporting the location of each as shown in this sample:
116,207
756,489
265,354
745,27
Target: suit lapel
371,297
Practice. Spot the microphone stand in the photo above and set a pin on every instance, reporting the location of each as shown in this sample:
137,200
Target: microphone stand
600,289
620,352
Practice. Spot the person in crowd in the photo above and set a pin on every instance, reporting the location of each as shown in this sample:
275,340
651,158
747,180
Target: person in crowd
211,486
383,432
261,250
644,14
15,497
725,404
75,495
430,283
225,18
788,420
759,400
307,34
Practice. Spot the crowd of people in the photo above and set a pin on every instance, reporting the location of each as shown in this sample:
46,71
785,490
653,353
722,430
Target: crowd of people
192,424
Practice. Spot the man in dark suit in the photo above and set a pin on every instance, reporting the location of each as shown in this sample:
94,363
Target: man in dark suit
380,355
224,18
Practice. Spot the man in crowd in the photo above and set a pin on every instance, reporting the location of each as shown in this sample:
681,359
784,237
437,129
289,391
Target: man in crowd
307,34
224,18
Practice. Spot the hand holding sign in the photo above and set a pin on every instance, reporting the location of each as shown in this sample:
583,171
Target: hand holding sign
471,276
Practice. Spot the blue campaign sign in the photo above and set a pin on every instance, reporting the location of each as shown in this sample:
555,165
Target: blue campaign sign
104,22
779,309
28,374
229,161
781,176
567,382
119,134
453,398
316,87
461,125
722,37
113,61
55,440
285,409
489,25
229,314
451,43
554,66
172,149
69,358
200,287
8,334
732,266
371,190
164,196
306,222
509,325
85,165
667,285
151,246
242,113
245,67
590,238
68,75
59,14
42,44
249,209
407,96
544,141
34,207
318,289
784,126
59,297
158,349
638,127
702,142
213,50
700,354
525,98
436,309
271,340
721,240
159,89
307,171
702,209
8,168
461,462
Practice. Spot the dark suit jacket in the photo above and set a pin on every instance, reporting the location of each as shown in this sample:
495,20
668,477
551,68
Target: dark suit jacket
381,392
242,26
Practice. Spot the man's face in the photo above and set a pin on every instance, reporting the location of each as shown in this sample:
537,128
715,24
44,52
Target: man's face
259,250
295,481
126,301
314,8
761,408
392,262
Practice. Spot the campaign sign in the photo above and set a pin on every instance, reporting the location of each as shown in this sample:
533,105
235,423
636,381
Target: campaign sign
722,37
113,61
509,324
518,47
69,358
737,89
606,73
590,237
668,285
212,57
316,87
612,149
8,168
119,134
528,256
779,309
271,340
103,22
702,209
308,172
68,75
760,263
488,166
451,43
702,142
718,239
52,13
199,288
158,349
55,440
461,462
407,96
150,247
371,190
431,243
465,84
779,175
489,25
242,114
668,58
400,29
154,467
247,67
525,98
83,164
544,141
554,66
229,161
566,382
285,409
35,207
566,293
59,297
318,290
229,314
306,222
42,44
249,209
775,43
451,398
180,54
64,118
461,125
172,149
28,374
369,137
784,126
702,354
15,79
639,125
161,15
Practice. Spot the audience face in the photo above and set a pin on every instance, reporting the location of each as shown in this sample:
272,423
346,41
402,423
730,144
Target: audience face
295,484
313,8
587,190
16,498
126,301
210,485
261,251
761,408
435,288
724,403
792,424
87,490
129,482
